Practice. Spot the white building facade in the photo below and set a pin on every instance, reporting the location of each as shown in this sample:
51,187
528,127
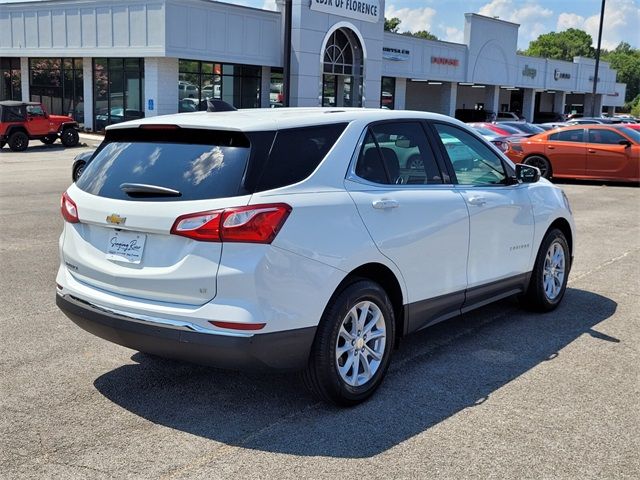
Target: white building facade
106,61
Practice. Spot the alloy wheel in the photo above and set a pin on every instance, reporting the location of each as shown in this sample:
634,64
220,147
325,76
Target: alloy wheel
361,343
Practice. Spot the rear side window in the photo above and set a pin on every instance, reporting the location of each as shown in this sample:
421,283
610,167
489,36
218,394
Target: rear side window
568,136
197,164
296,153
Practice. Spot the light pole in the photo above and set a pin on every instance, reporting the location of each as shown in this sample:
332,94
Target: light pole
595,74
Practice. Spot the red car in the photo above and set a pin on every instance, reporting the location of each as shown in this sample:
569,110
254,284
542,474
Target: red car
601,152
24,121
503,130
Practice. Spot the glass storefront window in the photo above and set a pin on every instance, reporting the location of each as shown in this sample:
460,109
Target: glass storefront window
10,79
276,88
118,90
238,85
58,84
388,93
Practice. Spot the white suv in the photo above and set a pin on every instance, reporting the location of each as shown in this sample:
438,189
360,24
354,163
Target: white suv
302,239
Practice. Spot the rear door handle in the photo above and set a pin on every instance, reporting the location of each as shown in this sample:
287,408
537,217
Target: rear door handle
591,151
479,201
385,203
551,148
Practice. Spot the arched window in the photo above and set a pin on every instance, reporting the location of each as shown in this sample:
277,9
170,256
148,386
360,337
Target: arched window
342,65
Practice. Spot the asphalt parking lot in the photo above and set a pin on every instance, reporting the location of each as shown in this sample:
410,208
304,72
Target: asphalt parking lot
497,393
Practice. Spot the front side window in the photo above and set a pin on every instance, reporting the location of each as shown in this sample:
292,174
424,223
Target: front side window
35,111
568,136
473,162
608,137
397,153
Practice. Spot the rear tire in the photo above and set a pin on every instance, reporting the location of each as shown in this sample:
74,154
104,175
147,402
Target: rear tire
18,142
542,164
353,344
70,137
550,273
48,140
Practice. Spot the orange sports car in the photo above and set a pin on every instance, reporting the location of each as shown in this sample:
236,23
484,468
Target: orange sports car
601,152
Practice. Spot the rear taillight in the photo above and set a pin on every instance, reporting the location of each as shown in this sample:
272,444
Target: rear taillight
504,146
68,209
251,224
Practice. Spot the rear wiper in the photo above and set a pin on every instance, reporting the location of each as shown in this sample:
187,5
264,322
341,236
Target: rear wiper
141,189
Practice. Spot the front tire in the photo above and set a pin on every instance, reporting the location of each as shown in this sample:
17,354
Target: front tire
18,142
77,171
70,137
353,344
542,164
550,273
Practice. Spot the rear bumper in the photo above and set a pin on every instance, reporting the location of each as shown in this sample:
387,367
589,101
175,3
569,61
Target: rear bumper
287,350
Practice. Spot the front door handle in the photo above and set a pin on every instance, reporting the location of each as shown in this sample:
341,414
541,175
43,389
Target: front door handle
551,148
479,201
385,203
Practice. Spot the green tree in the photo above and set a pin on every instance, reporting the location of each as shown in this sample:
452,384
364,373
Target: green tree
422,34
562,45
392,24
625,60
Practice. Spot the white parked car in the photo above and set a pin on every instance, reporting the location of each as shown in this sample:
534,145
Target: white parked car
293,239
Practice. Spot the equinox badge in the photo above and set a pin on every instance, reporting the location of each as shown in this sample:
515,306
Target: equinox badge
116,219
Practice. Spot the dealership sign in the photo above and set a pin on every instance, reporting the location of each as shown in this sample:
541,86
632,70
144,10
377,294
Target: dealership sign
558,75
395,54
453,62
366,10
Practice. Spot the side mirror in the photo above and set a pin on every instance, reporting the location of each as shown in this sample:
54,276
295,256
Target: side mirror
626,143
527,173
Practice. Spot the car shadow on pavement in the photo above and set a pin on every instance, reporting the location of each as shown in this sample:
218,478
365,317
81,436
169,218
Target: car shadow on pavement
435,374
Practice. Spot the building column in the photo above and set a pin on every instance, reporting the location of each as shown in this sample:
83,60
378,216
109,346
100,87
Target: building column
528,103
87,92
599,99
265,88
559,99
24,79
449,99
587,104
160,86
492,98
400,94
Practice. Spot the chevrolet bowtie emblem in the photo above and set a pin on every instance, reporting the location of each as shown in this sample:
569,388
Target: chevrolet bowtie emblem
116,219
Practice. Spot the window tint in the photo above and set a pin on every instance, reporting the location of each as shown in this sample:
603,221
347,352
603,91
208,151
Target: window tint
296,153
196,166
473,161
397,153
568,136
605,136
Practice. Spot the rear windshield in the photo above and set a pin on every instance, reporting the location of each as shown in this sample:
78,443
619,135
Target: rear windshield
199,165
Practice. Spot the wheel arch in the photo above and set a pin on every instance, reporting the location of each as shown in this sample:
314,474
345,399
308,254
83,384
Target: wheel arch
383,275
564,226
16,128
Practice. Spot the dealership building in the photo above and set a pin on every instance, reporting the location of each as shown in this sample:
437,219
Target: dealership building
105,61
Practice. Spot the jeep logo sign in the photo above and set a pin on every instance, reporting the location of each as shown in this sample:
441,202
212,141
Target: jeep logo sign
529,72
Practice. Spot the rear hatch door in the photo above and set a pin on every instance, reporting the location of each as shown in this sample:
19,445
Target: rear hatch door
128,199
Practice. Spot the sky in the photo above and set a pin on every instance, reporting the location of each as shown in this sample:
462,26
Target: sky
445,18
